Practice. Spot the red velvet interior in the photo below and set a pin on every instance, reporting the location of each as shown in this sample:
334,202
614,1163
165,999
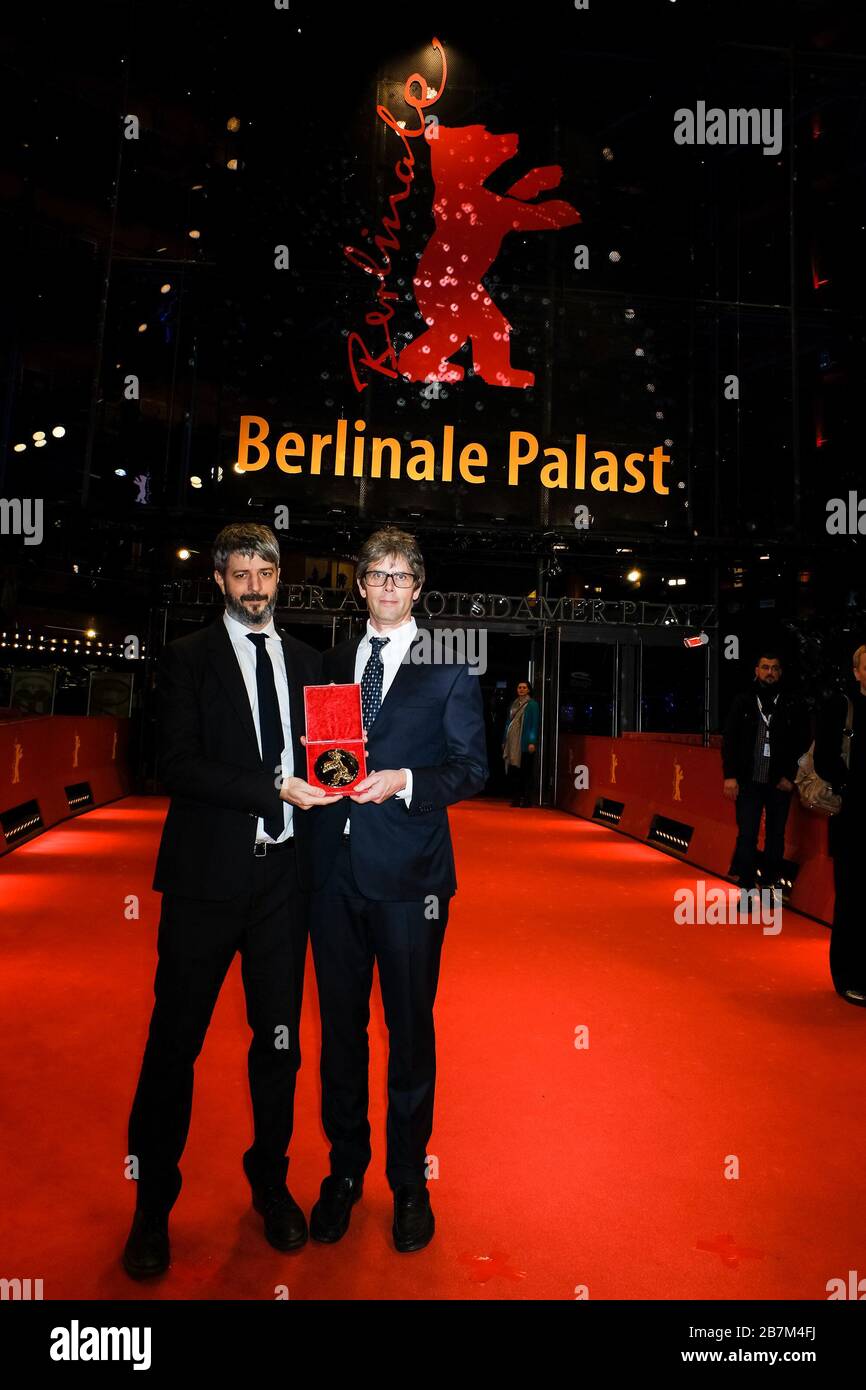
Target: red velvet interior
333,712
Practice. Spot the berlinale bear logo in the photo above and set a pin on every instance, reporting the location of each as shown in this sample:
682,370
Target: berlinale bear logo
471,222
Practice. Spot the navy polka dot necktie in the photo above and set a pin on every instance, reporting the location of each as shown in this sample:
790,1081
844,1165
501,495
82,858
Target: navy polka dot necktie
371,681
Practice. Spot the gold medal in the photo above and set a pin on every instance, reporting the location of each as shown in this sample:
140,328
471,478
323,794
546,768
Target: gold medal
336,768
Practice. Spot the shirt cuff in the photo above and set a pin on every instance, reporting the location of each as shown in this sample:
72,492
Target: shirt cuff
406,793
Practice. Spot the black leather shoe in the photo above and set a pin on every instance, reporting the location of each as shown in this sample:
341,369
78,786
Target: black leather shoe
285,1223
329,1219
147,1249
413,1219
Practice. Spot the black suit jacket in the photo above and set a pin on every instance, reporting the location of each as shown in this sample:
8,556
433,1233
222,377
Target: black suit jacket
431,721
790,736
209,761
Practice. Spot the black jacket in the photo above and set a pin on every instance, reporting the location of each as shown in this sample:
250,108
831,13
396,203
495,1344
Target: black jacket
432,721
209,761
790,735
847,829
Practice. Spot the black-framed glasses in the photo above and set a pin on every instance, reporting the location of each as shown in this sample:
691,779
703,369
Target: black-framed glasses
377,578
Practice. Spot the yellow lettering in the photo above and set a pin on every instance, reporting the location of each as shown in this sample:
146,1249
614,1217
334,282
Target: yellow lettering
606,470
426,457
472,456
633,472
516,457
248,441
319,443
289,446
555,474
392,445
658,458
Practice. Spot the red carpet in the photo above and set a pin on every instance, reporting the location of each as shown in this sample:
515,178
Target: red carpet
558,1167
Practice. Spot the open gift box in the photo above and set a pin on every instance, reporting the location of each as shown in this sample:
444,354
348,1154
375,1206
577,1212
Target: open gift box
335,737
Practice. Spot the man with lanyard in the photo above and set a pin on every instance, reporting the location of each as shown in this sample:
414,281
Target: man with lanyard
765,734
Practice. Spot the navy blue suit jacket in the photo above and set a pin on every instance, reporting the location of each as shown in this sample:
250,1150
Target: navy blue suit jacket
431,721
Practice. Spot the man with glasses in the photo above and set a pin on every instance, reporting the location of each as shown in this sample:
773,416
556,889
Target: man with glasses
385,866
766,732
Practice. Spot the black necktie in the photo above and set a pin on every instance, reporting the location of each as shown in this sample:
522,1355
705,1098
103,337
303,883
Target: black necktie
371,681
270,723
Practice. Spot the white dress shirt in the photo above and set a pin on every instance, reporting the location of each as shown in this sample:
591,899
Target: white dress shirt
246,654
392,656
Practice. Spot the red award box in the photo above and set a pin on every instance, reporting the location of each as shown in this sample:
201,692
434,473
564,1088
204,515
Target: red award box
335,737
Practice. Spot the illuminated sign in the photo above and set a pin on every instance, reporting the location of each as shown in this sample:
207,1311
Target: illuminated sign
446,462
471,223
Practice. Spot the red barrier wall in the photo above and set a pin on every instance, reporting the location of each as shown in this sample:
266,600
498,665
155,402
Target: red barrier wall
41,757
684,782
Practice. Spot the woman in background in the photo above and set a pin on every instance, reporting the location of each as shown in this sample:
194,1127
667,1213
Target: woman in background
519,743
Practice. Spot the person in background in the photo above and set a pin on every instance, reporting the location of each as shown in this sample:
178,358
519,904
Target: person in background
519,743
847,830
766,732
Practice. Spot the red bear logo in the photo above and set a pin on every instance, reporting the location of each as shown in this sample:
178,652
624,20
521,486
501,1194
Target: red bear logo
471,222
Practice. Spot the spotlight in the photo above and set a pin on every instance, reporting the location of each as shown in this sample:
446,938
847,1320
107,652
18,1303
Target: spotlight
19,448
183,553
39,434
59,431
233,124
40,443
120,472
91,633
633,576
231,164
142,328
195,481
164,289
194,233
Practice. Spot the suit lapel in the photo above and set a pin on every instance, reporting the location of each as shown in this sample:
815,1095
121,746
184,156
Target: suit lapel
343,673
343,668
296,695
226,665
402,683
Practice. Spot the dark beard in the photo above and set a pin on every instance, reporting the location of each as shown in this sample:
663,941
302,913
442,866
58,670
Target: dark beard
240,610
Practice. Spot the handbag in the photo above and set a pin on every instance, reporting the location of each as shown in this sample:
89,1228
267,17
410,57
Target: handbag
815,793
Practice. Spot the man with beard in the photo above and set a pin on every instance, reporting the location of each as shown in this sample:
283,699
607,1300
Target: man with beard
233,869
766,732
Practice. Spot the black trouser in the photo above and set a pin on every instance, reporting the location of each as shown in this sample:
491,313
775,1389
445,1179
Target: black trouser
348,932
520,779
754,798
196,944
848,937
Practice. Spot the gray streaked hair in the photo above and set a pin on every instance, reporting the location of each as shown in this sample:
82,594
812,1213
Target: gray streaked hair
245,538
390,541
